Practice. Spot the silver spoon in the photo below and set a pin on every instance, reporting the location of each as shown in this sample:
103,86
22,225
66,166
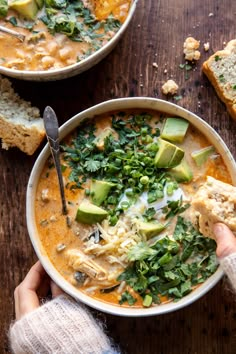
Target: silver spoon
51,127
20,36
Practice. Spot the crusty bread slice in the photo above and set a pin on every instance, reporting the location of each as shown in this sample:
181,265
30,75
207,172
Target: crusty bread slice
215,201
220,69
20,123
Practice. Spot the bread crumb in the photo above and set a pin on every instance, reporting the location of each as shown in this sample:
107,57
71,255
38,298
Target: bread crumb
170,87
191,51
155,65
206,46
211,14
165,71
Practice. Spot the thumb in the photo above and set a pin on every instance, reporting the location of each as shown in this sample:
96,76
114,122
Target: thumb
225,239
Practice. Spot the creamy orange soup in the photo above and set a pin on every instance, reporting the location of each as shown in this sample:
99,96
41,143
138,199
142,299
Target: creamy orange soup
130,251
58,33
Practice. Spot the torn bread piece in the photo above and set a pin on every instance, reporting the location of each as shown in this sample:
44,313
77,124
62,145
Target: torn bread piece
215,201
220,70
20,123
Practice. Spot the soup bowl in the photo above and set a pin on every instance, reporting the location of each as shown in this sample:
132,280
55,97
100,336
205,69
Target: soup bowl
144,104
76,68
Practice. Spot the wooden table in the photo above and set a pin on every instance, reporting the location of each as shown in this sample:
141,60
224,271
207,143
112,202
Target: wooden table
156,35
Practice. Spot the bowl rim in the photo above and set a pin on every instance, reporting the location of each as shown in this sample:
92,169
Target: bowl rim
65,129
79,67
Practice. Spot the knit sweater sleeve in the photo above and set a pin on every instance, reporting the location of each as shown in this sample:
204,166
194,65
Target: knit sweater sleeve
228,265
61,326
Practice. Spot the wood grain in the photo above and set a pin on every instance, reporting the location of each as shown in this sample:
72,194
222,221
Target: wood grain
156,35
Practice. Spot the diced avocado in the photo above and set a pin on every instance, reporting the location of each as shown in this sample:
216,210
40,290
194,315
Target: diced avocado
168,155
26,8
178,156
201,156
182,172
174,129
147,301
99,191
99,140
149,229
89,213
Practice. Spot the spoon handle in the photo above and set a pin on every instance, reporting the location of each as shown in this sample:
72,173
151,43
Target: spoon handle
51,127
20,36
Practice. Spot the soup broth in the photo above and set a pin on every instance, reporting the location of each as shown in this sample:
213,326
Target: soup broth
131,236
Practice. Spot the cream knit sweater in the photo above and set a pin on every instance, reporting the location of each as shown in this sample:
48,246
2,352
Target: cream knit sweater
61,326
228,264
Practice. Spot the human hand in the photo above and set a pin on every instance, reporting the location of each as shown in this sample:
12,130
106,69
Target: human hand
36,285
225,239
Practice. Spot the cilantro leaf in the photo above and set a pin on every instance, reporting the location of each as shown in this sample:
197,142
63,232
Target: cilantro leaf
92,165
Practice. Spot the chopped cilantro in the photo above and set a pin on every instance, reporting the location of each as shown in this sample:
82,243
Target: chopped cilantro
178,98
169,267
127,297
221,78
217,58
187,67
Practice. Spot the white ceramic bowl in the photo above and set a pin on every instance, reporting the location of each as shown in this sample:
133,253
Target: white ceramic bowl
69,126
77,68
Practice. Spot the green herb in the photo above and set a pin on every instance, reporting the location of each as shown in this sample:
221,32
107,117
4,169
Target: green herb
234,87
175,207
170,267
3,8
217,58
127,297
63,168
187,67
221,78
149,214
178,98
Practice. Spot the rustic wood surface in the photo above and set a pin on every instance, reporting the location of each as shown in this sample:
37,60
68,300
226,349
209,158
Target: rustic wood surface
156,34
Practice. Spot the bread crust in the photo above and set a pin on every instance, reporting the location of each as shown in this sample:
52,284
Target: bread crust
220,70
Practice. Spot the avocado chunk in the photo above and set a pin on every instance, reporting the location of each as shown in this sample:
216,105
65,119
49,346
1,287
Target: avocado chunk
201,156
88,213
168,155
149,229
100,139
26,8
99,191
182,172
174,129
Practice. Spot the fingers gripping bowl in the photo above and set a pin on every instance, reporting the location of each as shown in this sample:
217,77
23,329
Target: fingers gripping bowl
132,247
62,38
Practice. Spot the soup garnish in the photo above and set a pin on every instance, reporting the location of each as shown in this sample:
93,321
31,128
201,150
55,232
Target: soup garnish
133,239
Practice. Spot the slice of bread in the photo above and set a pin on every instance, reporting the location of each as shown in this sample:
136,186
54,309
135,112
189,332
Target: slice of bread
220,70
20,123
215,201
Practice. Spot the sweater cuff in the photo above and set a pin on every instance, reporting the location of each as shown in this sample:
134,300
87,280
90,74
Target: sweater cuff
61,325
228,265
